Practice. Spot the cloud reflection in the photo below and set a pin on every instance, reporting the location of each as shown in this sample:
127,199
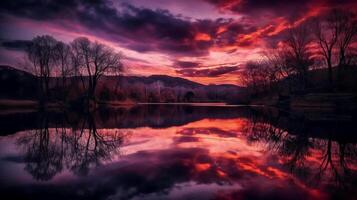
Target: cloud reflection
235,158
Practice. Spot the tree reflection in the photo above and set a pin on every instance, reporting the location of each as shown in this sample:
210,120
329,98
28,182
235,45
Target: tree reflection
90,146
47,151
340,159
316,160
42,157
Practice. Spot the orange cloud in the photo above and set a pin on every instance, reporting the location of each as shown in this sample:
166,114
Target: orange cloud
202,37
202,167
221,29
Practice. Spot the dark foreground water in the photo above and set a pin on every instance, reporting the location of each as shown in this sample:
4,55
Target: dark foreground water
178,152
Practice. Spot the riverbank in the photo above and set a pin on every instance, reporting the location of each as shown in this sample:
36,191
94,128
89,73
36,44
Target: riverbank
18,105
344,101
23,105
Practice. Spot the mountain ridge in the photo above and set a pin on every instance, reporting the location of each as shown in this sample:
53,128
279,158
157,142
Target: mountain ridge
19,84
132,78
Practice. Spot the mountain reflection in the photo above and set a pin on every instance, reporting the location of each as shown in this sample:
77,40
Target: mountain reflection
155,116
181,152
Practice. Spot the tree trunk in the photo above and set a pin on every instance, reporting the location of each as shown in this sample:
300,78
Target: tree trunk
330,79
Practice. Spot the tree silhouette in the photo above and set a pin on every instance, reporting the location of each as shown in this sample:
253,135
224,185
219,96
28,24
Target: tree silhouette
297,43
63,59
327,33
96,60
41,53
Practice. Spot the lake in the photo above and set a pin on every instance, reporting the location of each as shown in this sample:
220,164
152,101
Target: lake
178,152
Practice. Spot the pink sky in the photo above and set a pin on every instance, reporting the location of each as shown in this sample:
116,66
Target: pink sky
207,41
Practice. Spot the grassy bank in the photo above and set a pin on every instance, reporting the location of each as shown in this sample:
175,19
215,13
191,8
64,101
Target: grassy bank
331,101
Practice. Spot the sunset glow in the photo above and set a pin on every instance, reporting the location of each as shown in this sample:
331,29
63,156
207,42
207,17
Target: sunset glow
176,38
178,99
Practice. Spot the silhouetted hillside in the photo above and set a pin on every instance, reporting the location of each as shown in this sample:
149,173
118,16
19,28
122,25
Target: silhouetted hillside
17,84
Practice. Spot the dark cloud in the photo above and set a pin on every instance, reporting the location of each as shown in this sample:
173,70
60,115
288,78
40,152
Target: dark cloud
148,30
290,10
210,72
139,29
185,139
261,8
186,64
158,30
46,10
229,35
19,45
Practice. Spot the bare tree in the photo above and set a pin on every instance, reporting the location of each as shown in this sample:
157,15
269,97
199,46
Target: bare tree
279,68
64,64
347,30
298,41
258,76
327,32
76,60
81,57
94,60
276,59
63,58
351,56
41,54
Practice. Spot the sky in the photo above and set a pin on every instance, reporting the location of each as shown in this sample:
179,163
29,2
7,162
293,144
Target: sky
207,41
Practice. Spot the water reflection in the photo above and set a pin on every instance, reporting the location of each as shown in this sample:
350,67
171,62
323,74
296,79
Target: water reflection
313,160
178,152
47,151
155,116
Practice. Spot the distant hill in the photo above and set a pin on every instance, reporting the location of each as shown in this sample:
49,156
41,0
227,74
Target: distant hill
166,80
7,70
15,83
18,84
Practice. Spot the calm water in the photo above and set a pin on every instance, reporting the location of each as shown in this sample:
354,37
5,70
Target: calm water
178,152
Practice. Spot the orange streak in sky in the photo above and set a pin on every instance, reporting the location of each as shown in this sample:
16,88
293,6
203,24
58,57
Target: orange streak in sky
202,37
202,167
221,29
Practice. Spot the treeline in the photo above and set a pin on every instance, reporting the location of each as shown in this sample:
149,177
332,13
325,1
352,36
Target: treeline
81,60
161,90
327,43
83,72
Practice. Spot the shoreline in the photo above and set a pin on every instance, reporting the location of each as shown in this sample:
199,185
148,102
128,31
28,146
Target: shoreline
25,105
311,101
